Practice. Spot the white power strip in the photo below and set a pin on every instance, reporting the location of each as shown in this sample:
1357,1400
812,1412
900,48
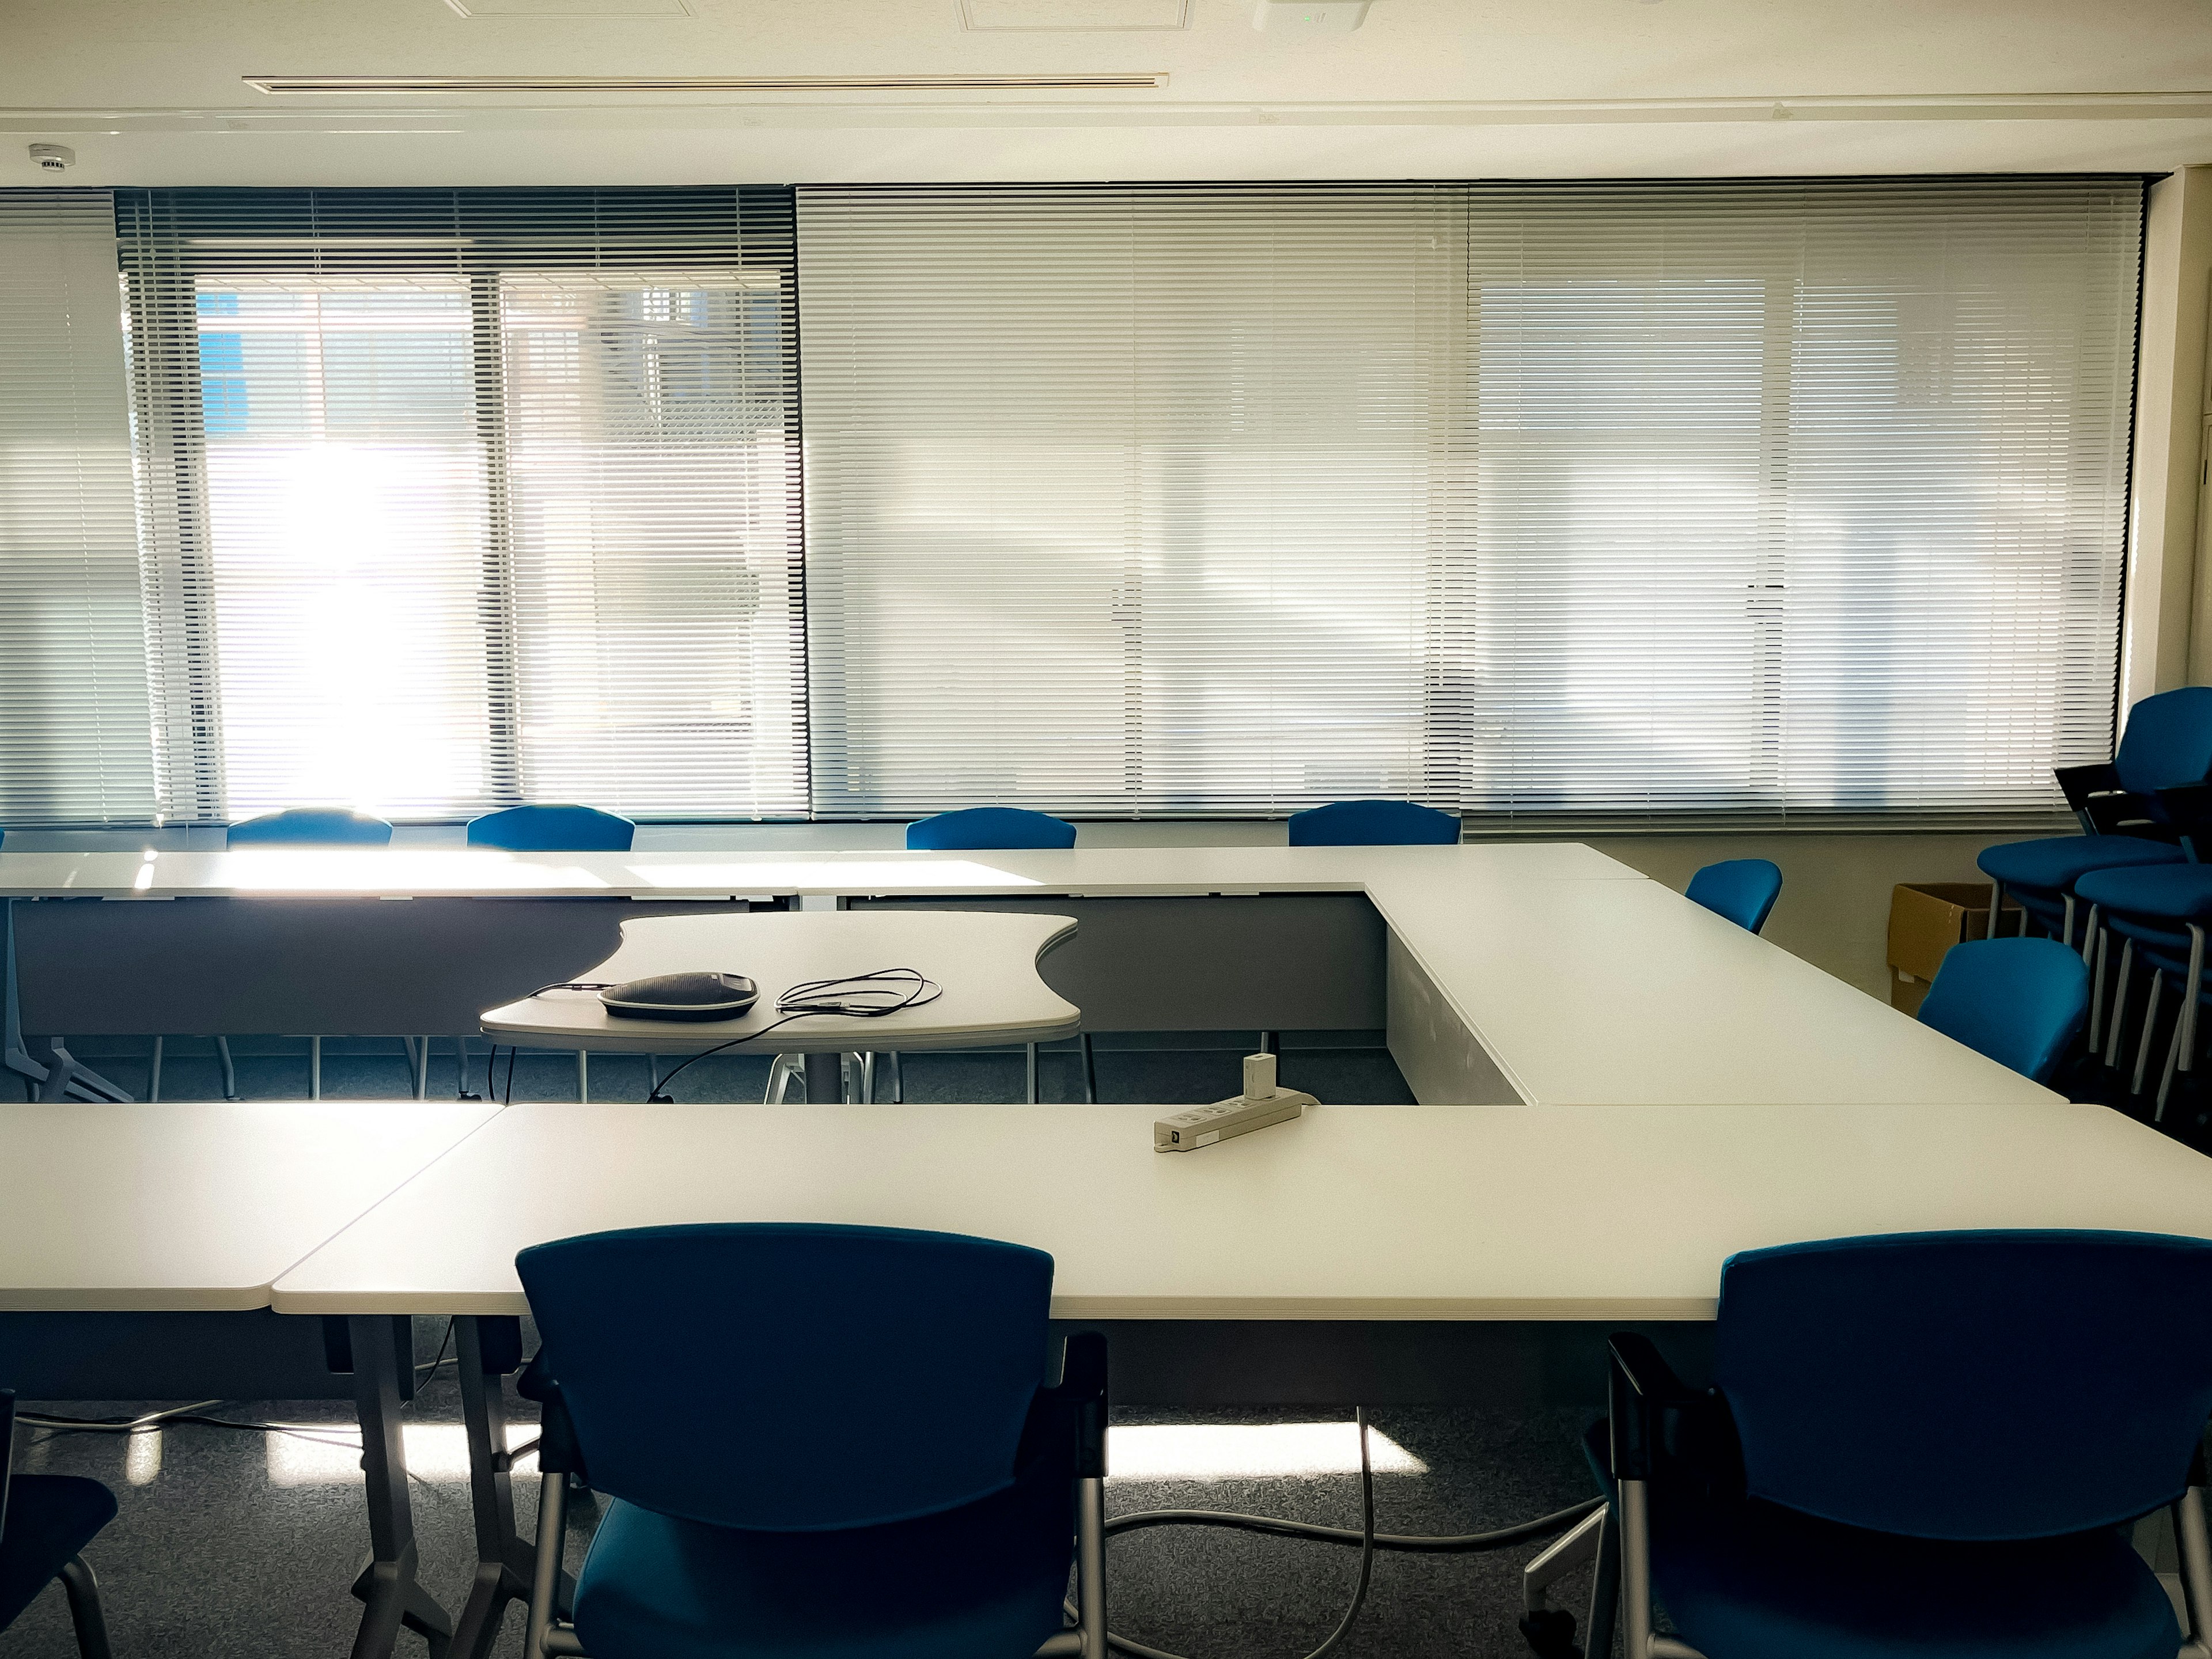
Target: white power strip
1261,1104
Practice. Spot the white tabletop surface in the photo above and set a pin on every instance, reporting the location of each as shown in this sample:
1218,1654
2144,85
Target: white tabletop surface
1351,1213
985,964
194,1205
373,873
1586,983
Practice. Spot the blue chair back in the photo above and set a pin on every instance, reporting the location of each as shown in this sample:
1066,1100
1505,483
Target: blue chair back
847,1376
552,829
1743,889
988,830
1373,824
310,826
2167,741
1969,1385
2021,1001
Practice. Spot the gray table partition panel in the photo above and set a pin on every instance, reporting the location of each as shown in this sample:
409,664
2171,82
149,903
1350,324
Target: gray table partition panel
1282,962
359,967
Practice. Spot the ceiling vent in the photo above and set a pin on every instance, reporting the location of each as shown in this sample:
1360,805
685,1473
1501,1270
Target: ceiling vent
1073,16
287,84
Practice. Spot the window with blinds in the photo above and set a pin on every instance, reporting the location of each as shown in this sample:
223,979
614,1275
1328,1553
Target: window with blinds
74,732
1763,501
462,498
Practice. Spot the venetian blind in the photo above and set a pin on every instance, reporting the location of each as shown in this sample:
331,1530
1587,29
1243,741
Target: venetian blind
73,740
469,497
1763,501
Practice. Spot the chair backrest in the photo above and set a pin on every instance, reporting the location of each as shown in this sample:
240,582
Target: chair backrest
2021,1001
1969,1385
788,1377
2167,741
553,830
1743,889
310,826
989,830
1373,824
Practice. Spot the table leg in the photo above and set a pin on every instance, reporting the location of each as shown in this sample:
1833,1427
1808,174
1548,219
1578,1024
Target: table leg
387,1585
505,1563
825,1078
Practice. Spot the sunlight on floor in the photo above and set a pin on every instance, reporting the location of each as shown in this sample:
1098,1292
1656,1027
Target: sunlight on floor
1249,1451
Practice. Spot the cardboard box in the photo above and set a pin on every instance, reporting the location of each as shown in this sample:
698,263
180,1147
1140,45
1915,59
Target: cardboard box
1926,919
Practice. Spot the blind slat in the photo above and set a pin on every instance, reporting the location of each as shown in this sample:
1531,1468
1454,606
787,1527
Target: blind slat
1725,502
74,737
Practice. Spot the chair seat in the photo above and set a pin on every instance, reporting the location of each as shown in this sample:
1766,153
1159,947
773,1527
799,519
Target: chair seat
2176,892
51,1518
2057,862
986,1581
1755,1580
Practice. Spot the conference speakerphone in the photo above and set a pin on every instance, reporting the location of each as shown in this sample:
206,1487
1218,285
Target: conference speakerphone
682,996
1261,1103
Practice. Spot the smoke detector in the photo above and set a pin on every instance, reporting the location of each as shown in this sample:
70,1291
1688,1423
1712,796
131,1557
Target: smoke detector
1309,17
53,158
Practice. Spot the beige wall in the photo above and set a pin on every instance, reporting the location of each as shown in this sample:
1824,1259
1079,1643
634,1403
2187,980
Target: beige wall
2167,597
1834,908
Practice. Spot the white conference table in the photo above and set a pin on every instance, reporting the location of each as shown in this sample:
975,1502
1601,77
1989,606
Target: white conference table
1407,1226
133,1235
984,965
1541,971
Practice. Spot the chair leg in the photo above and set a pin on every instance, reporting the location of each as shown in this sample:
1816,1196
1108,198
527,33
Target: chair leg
83,1592
898,1080
2195,1550
314,1068
2120,1006
583,1076
154,1073
1605,1589
422,1068
2096,982
1089,1071
1550,1629
1996,909
780,1073
1636,1569
2150,1021
1031,1069
1090,1566
2166,1079
2066,936
229,1071
545,1586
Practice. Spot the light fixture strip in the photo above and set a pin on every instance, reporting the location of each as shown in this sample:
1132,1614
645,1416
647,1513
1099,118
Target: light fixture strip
282,84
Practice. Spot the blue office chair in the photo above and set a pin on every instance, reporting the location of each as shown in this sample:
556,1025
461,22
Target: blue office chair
301,826
1741,890
987,829
884,1472
550,829
553,830
1373,824
1922,1446
2167,743
309,826
2019,1001
45,1521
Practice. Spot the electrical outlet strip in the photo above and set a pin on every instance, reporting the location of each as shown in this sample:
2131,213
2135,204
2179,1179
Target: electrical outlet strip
1201,1125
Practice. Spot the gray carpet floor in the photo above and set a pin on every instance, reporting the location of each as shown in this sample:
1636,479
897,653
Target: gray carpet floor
242,1542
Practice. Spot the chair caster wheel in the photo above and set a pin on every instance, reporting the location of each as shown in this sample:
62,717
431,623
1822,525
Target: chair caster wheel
1551,1634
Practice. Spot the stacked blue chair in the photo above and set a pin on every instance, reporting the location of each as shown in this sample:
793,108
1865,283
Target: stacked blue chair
45,1521
995,830
1741,890
550,829
2019,1001
2160,913
1926,1444
301,826
2167,743
1373,824
887,1475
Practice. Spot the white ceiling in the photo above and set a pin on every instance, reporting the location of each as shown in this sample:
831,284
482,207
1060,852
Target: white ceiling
148,92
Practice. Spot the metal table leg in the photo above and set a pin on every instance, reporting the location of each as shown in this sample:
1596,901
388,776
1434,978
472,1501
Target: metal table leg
49,1071
505,1563
387,1584
825,1078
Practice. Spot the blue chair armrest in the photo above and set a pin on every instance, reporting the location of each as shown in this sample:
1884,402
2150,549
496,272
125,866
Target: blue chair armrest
557,1451
2082,782
1077,1400
1658,1422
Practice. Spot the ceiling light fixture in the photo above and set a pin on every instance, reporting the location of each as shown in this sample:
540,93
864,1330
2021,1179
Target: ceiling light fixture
742,83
